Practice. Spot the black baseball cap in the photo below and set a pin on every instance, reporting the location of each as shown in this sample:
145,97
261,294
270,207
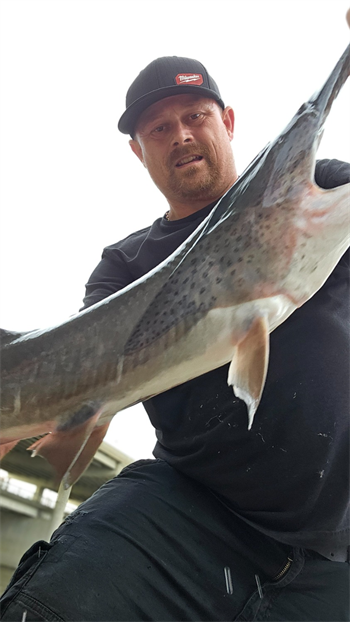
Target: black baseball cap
163,77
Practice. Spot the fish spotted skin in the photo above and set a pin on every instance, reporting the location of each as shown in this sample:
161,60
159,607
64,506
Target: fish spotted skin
266,247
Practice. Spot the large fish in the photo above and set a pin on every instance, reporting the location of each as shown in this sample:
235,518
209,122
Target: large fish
266,247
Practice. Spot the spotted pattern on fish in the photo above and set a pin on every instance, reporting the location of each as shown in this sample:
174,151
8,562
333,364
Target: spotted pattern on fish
225,261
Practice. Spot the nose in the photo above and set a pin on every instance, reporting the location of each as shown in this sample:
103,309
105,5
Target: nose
182,135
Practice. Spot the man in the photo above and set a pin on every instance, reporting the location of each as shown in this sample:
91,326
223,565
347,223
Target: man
226,523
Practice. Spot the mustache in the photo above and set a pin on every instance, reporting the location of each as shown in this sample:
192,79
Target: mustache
183,152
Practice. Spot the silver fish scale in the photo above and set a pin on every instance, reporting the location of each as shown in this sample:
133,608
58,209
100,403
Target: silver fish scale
180,298
229,260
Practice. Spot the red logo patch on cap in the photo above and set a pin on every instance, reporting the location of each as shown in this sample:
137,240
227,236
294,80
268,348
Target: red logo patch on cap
189,78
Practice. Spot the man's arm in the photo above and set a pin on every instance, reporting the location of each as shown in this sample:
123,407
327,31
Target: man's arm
109,276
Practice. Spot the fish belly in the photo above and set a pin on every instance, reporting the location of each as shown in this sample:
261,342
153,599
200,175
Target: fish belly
209,344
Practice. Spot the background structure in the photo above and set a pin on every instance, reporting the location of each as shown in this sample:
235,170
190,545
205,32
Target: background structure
28,497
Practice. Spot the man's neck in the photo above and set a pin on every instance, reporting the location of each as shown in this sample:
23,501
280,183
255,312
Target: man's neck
182,211
178,209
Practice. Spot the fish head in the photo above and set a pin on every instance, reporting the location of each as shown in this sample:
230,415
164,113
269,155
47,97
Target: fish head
281,232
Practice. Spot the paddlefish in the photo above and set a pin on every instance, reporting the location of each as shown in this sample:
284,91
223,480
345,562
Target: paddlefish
266,248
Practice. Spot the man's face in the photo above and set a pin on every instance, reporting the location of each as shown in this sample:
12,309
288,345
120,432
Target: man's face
184,142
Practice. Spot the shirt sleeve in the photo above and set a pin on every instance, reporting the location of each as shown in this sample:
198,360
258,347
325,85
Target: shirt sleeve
109,276
332,173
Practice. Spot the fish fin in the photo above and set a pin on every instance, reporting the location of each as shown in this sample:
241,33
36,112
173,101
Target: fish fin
82,461
248,368
70,451
6,447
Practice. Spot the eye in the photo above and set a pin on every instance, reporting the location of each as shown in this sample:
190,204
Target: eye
195,116
159,129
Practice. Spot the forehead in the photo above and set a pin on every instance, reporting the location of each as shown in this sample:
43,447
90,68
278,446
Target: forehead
176,104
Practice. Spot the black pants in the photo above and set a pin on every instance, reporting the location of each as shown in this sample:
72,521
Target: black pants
152,544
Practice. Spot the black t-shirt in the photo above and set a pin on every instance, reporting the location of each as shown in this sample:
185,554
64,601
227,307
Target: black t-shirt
288,475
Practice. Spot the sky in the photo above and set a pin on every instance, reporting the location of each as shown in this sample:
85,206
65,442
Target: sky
69,183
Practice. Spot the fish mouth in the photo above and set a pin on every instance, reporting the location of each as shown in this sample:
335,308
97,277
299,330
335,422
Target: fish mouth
189,159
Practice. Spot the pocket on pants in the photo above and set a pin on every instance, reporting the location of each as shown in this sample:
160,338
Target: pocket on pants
30,561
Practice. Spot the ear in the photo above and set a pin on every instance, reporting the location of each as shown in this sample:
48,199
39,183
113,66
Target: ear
136,148
228,117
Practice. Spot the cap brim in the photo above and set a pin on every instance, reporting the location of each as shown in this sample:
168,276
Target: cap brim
128,120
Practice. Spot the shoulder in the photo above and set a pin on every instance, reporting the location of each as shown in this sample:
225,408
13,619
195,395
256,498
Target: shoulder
131,240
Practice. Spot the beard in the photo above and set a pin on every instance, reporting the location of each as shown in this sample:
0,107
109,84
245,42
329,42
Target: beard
193,183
